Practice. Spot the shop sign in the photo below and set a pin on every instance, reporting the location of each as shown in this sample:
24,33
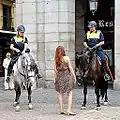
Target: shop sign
103,23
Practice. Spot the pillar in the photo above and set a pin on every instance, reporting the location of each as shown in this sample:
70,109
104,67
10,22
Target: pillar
48,23
1,14
116,84
59,30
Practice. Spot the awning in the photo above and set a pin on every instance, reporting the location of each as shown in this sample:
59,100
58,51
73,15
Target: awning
8,32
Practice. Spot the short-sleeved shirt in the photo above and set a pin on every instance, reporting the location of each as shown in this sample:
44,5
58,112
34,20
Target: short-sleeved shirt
93,38
18,42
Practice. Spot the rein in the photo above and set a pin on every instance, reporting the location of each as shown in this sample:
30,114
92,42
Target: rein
20,71
89,65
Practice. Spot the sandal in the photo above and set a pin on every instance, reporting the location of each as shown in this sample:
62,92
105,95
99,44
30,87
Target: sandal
71,113
62,113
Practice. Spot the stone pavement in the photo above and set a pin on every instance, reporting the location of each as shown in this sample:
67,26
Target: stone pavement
46,107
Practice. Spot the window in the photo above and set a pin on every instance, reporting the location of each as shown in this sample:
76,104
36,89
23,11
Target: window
7,18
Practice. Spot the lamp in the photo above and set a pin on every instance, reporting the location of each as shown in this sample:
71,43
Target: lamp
93,6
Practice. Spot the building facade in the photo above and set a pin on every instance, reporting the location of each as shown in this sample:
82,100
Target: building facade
50,23
7,15
7,26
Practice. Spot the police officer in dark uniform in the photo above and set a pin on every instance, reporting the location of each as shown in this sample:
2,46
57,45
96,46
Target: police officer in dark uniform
94,40
18,45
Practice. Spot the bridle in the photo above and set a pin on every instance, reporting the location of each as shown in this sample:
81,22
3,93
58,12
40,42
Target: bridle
25,72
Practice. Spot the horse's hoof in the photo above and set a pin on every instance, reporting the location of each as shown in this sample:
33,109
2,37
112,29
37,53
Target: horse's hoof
105,103
15,104
98,108
17,109
30,106
83,108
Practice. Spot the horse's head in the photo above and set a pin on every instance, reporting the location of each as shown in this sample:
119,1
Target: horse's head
28,65
84,59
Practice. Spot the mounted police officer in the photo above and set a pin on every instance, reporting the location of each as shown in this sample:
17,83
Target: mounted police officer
94,40
18,45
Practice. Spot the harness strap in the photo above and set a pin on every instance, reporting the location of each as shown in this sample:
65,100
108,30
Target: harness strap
20,71
90,63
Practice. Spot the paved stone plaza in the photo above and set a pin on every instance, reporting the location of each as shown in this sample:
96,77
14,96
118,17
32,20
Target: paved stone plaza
46,107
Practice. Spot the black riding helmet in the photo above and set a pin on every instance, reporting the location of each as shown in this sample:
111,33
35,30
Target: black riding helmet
92,24
21,28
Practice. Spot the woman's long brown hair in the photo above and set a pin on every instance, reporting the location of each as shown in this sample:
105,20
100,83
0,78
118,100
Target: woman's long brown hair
59,53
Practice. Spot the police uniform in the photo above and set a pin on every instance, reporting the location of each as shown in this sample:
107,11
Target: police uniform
18,43
93,38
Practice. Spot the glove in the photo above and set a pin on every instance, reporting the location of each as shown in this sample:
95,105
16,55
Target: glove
17,50
94,48
88,48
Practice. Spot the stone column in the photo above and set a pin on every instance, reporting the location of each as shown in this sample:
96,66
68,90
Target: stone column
80,30
1,14
51,38
30,13
59,30
26,15
49,23
116,84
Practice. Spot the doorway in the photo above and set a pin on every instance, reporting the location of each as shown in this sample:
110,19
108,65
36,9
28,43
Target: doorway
104,16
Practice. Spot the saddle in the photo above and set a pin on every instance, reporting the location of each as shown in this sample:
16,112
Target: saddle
99,59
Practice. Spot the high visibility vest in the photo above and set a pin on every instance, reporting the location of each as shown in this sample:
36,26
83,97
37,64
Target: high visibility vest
19,42
93,36
19,39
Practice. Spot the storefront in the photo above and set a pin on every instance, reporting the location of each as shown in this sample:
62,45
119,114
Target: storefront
5,37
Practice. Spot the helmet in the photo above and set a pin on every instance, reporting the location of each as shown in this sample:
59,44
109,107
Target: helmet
92,24
21,28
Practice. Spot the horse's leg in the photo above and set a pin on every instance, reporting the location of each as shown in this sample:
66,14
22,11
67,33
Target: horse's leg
106,98
105,91
97,96
18,93
85,93
29,95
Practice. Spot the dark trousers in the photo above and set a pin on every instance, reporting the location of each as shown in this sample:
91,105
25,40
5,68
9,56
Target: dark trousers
12,62
101,54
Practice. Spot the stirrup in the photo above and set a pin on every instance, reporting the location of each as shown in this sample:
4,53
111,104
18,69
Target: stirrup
106,77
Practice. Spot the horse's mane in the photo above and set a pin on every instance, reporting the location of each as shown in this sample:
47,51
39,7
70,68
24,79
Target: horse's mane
33,64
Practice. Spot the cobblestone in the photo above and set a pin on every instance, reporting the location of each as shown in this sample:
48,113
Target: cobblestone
45,106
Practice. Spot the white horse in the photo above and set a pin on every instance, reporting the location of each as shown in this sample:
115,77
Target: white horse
24,74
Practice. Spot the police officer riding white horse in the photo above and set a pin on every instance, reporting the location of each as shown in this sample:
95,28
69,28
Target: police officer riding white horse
22,69
19,45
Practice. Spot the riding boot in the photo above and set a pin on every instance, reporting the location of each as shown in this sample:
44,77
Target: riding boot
10,67
104,67
105,71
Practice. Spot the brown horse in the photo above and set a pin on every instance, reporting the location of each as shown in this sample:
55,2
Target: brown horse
90,69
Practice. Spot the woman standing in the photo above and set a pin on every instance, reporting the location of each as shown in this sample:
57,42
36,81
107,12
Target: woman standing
65,78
